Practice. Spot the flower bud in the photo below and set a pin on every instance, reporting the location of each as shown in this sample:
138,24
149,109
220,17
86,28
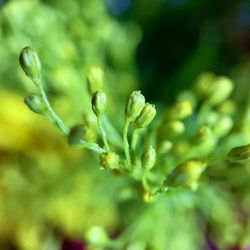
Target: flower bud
148,158
109,160
179,111
76,134
96,236
94,79
35,103
135,104
223,125
172,128
187,173
222,89
202,134
30,63
239,154
204,84
99,102
164,147
146,116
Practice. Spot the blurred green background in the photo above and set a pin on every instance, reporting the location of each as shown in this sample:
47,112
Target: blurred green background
49,191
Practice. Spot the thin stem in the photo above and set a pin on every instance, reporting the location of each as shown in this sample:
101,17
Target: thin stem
92,146
103,134
56,120
145,181
134,141
125,143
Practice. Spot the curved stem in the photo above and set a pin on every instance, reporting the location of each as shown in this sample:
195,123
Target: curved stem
56,120
125,143
103,134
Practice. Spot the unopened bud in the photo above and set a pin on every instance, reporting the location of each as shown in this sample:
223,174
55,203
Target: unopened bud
240,154
204,84
148,158
30,63
99,102
109,160
187,173
135,104
223,125
96,236
202,134
76,134
146,116
172,128
35,103
164,147
179,111
222,89
94,79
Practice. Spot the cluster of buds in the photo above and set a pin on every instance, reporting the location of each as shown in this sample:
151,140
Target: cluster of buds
211,122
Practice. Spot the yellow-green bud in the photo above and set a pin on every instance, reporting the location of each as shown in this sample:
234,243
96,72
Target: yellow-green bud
148,158
222,89
99,102
223,125
187,173
76,134
30,63
96,236
94,79
35,103
109,160
164,146
146,116
179,111
202,134
240,154
172,128
204,84
135,104
227,107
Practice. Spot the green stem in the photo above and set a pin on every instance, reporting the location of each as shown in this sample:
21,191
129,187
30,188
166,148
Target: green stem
145,181
56,120
134,141
103,134
92,146
125,143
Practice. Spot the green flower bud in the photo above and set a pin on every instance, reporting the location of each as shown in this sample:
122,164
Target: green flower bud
172,128
222,89
109,160
202,134
227,107
135,104
179,111
76,134
94,79
99,102
223,125
240,154
164,146
187,173
204,84
30,63
97,236
35,103
148,158
146,116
